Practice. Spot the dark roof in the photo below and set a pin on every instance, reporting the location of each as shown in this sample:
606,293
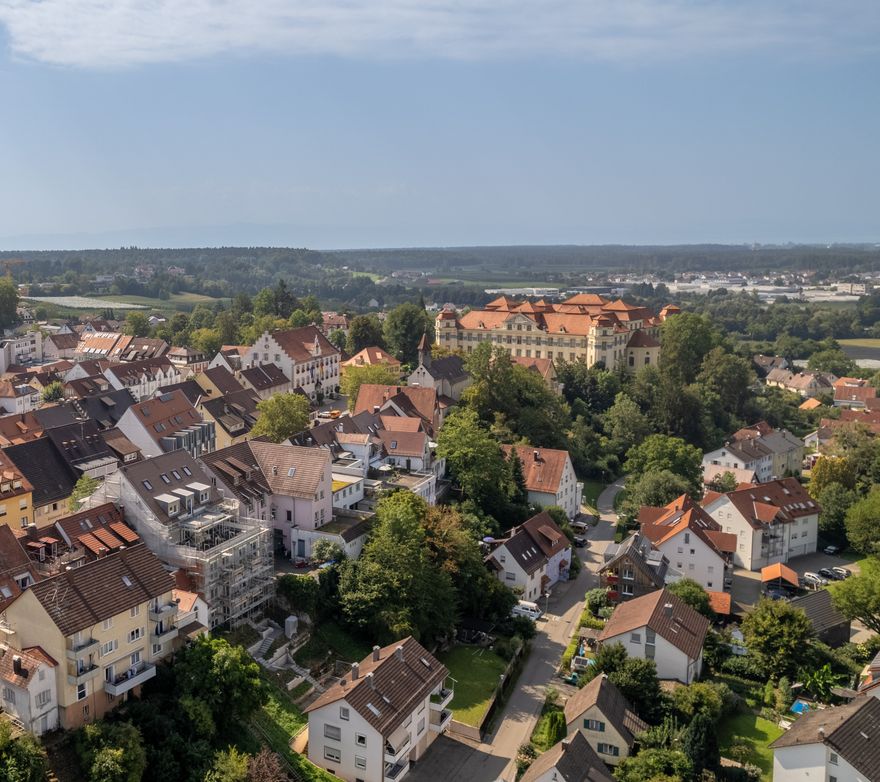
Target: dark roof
14,562
79,443
637,550
191,390
222,378
299,343
851,730
264,377
235,412
106,409
641,339
151,470
80,598
604,695
449,368
534,541
56,415
574,760
820,610
237,469
39,461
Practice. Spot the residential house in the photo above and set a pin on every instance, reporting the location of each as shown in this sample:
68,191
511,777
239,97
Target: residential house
21,350
571,760
806,383
544,367
266,380
139,349
371,357
532,557
691,540
713,474
234,415
602,715
16,429
81,446
633,568
838,744
170,502
772,521
58,346
829,625
188,361
382,715
304,355
124,449
406,401
18,399
229,357
86,368
107,623
786,450
217,381
334,321
191,390
16,495
50,475
446,375
549,478
27,679
143,378
17,572
97,531
104,408
660,627
167,423
765,364
409,450
854,393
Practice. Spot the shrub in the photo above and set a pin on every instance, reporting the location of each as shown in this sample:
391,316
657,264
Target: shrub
769,694
784,697
596,599
523,627
744,666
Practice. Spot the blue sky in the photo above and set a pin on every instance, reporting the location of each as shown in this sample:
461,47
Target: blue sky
348,123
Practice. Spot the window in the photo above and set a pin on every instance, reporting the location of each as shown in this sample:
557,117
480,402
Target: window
135,659
134,611
109,647
81,691
9,695
832,758
628,573
421,726
187,471
147,485
635,638
43,698
157,649
360,739
360,761
608,749
332,732
135,635
331,753
627,590
343,713
596,725
107,623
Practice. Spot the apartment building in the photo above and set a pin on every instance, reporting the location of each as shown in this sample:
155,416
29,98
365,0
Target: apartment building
170,502
233,416
106,624
585,327
143,378
168,423
549,477
16,495
767,452
304,355
404,401
51,477
18,398
382,715
772,521
20,350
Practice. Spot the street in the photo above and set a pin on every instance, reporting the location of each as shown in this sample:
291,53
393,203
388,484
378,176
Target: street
457,760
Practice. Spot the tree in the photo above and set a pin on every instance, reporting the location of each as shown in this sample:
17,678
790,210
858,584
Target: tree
54,392
364,331
625,424
111,752
301,592
596,600
593,387
85,486
820,681
136,324
700,745
689,591
224,677
662,452
862,529
654,765
858,597
638,683
777,634
338,338
403,329
556,727
8,303
207,341
354,377
266,766
723,483
324,550
685,341
728,376
230,765
22,759
831,469
698,698
832,360
281,416
655,489
834,502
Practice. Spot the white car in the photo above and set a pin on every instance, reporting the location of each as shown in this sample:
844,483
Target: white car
815,580
525,608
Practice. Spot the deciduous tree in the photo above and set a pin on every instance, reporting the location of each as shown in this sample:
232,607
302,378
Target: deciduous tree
777,634
281,416
691,592
862,529
354,377
858,597
403,329
662,452
364,331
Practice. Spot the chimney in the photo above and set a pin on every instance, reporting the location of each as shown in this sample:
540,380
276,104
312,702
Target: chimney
536,455
822,732
398,652
375,409
17,667
667,609
376,654
370,680
274,471
355,671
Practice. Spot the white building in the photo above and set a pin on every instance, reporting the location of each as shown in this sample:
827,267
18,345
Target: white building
304,355
143,378
533,557
382,715
27,680
571,760
660,627
839,744
549,478
772,521
22,349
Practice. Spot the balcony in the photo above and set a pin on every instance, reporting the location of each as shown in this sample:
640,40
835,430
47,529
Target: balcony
395,750
396,771
161,635
440,699
83,675
611,578
440,720
89,646
163,612
130,679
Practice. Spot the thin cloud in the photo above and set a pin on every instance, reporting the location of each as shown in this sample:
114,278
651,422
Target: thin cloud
120,33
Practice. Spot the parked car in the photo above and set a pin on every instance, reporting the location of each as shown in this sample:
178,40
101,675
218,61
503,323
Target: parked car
526,608
828,574
580,541
841,572
814,580
831,550
777,594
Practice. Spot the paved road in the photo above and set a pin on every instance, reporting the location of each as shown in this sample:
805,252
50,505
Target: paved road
456,760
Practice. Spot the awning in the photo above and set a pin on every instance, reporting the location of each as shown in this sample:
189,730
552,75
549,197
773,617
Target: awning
779,572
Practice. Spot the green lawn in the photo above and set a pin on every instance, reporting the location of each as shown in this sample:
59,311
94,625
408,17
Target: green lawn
860,343
476,673
334,639
177,301
752,733
592,490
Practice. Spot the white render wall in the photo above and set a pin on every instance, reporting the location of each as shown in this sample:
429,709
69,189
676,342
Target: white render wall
704,566
811,763
671,662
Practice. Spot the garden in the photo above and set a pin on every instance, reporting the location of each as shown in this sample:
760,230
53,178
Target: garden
477,673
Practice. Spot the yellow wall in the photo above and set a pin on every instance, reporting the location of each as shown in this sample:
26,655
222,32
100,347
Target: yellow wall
15,511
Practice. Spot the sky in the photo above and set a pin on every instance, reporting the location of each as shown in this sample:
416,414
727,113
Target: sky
394,123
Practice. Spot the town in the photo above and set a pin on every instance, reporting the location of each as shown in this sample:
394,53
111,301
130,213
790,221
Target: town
626,532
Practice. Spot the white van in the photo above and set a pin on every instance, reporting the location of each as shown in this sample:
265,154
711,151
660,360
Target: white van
525,608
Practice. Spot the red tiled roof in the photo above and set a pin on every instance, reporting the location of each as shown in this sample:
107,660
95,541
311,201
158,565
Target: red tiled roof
542,468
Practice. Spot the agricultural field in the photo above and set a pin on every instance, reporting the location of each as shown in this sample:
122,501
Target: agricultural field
177,301
85,302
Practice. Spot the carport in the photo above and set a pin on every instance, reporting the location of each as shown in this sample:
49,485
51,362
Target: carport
774,576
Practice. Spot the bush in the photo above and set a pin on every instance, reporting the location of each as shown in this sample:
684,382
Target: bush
596,599
784,697
506,648
744,666
523,627
591,622
769,694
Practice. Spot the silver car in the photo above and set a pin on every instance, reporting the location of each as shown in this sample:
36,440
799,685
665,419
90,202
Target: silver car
815,580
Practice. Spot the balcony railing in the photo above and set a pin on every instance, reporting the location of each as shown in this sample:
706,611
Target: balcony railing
164,611
440,699
439,720
396,771
83,675
89,646
393,754
130,679
165,634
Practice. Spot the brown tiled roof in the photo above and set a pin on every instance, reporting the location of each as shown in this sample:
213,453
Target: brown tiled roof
854,393
603,694
223,379
298,343
543,366
16,429
98,529
264,377
119,443
410,444
165,414
684,514
851,730
290,470
542,467
31,660
573,759
371,356
666,615
419,400
401,423
404,674
133,372
64,341
641,339
783,500
14,562
80,598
